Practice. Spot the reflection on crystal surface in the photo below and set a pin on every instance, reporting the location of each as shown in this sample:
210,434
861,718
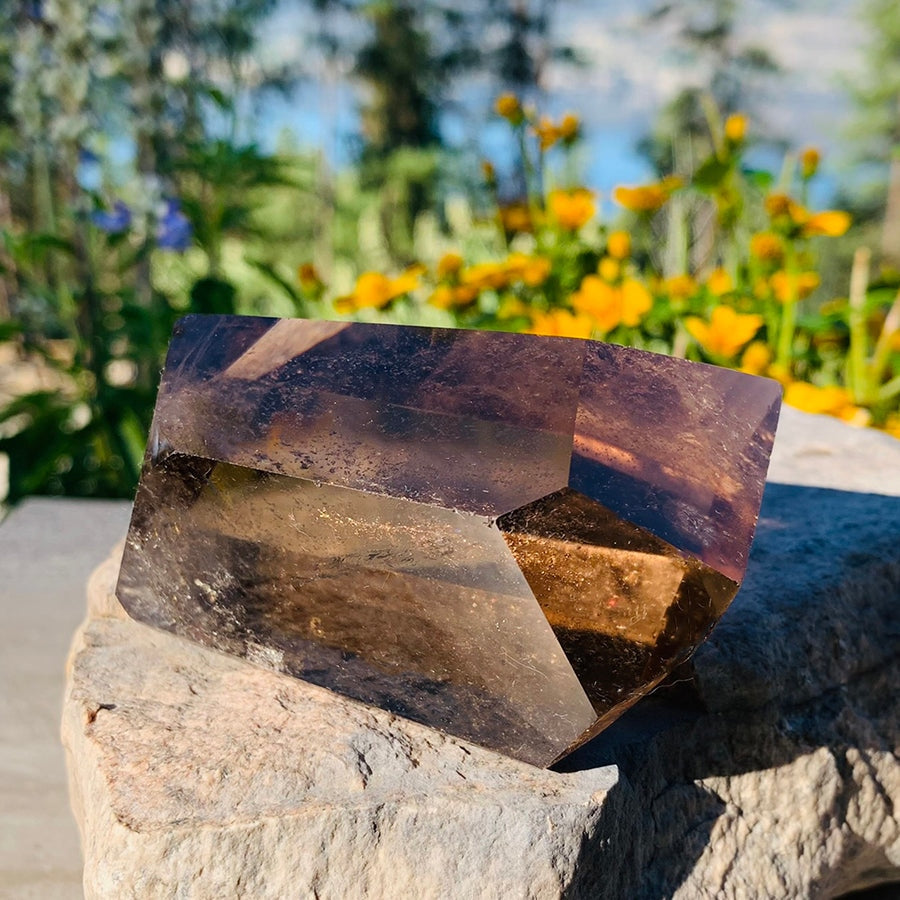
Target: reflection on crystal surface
415,608
507,537
625,606
424,414
679,449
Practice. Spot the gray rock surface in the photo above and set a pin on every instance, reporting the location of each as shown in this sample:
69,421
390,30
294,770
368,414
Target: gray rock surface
198,775
48,547
820,451
768,769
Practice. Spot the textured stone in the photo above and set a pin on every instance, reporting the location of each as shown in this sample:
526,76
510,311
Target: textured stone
507,537
195,774
771,771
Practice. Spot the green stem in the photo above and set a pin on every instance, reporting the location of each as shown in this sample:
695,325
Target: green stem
889,389
786,334
45,207
714,122
786,177
501,227
784,351
856,358
676,246
731,255
534,208
882,354
570,167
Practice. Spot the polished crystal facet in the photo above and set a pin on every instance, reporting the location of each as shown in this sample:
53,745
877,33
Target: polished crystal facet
507,537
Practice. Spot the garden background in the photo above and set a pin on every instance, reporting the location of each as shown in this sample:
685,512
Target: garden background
715,179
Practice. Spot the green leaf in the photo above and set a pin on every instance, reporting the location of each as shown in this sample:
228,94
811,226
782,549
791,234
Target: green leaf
218,97
213,296
759,178
9,330
270,272
711,173
133,437
39,449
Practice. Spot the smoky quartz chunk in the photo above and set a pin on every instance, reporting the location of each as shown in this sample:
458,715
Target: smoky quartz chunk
510,538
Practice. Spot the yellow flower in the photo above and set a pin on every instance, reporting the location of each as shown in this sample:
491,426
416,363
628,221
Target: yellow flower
829,400
447,297
376,290
726,332
573,208
515,264
767,246
646,198
719,282
516,217
513,308
533,270
484,276
790,286
536,271
858,416
809,162
829,222
464,294
680,287
618,244
442,297
547,133
449,264
799,214
756,358
509,107
599,300
609,268
611,305
636,300
736,127
561,323
780,206
569,128
892,425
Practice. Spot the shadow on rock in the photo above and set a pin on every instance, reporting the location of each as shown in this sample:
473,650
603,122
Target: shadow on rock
770,767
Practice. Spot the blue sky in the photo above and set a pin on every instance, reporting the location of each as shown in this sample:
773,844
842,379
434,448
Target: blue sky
633,71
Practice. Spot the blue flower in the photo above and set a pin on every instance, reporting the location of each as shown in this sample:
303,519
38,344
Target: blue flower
174,231
115,221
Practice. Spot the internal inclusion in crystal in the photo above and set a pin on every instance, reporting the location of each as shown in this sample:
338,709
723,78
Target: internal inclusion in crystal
506,537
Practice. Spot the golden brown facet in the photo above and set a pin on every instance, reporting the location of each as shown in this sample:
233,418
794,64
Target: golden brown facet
625,606
507,537
415,608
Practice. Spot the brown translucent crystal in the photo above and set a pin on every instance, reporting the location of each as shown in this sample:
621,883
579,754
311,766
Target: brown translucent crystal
507,537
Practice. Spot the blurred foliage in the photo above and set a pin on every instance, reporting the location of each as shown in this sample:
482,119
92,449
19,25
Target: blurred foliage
100,256
96,264
754,302
876,127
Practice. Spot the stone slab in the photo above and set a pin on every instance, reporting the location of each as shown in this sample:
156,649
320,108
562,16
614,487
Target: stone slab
196,774
771,770
48,547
